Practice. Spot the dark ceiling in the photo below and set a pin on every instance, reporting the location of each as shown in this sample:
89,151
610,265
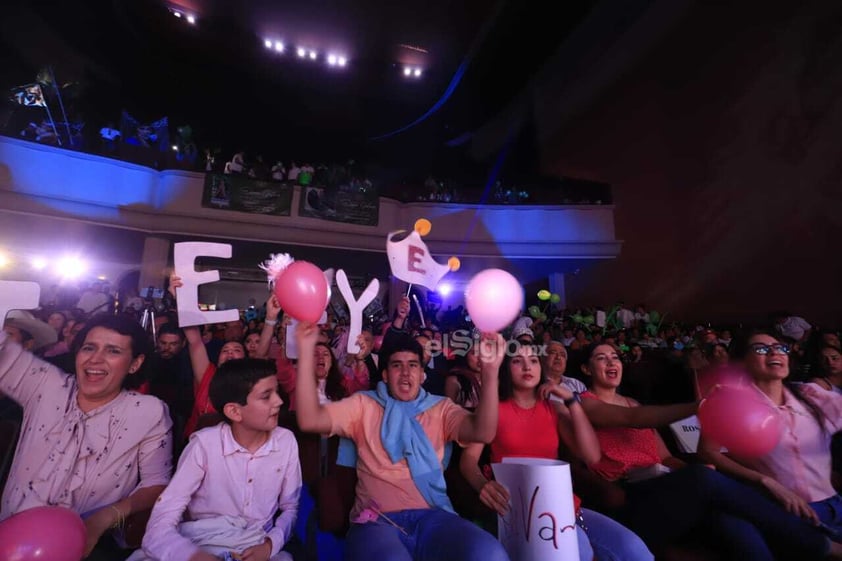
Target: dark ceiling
218,76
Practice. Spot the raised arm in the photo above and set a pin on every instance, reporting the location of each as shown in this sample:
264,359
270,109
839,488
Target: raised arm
606,415
199,359
311,415
481,425
273,310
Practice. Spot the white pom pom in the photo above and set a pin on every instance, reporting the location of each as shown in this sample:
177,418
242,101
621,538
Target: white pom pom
275,265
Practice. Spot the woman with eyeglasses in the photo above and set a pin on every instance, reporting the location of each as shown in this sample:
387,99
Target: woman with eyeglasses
666,499
797,471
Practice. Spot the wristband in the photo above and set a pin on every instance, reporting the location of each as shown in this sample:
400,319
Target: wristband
575,399
270,321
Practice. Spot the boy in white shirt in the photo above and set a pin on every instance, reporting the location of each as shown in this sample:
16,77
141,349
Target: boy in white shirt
232,478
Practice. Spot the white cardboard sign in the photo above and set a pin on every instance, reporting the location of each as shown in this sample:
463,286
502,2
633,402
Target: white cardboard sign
18,295
541,523
187,296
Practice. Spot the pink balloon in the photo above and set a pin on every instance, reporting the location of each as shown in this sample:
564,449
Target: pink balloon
301,291
43,533
722,376
741,420
494,299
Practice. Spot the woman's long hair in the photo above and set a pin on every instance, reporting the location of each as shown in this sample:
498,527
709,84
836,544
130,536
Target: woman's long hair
334,390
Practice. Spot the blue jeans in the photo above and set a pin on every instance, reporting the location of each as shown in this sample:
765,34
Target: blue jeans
830,512
608,540
666,508
431,535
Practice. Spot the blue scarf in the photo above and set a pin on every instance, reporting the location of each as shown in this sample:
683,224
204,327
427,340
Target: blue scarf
404,437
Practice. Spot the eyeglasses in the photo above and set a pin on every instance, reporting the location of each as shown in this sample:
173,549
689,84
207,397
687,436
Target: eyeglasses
763,349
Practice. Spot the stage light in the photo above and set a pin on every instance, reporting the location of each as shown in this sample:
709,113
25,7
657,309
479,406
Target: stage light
176,14
191,20
417,73
301,52
267,43
444,289
407,71
102,277
279,46
38,263
71,267
175,147
331,60
341,61
4,260
313,55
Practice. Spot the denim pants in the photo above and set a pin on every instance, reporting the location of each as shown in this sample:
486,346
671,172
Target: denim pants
431,535
608,540
725,512
830,512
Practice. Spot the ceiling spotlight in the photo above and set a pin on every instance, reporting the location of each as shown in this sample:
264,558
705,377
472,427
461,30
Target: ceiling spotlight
301,52
267,43
444,289
191,20
38,263
102,277
176,14
407,71
331,60
279,46
175,147
71,267
341,61
312,55
417,73
4,260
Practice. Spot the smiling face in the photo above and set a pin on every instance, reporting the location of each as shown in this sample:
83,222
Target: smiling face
231,350
403,375
102,363
321,354
525,368
605,367
774,365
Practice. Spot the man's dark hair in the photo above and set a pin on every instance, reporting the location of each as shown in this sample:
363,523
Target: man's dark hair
400,343
235,379
170,328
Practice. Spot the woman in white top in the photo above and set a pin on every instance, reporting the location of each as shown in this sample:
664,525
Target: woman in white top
87,443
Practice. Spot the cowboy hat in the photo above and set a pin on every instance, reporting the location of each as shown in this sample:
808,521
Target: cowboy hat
41,332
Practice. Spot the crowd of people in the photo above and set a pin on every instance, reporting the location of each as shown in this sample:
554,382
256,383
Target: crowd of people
205,430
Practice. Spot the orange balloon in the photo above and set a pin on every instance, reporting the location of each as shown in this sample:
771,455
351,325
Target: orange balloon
454,263
423,226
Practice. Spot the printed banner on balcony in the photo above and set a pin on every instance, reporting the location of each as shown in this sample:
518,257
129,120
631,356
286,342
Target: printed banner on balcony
355,206
231,192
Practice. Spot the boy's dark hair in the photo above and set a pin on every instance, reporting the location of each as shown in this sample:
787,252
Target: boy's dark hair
397,344
235,379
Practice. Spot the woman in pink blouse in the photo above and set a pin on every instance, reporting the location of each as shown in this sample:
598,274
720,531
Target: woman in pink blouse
797,471
87,443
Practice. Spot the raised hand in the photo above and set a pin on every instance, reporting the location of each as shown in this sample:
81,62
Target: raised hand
403,307
273,308
549,389
492,349
175,282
